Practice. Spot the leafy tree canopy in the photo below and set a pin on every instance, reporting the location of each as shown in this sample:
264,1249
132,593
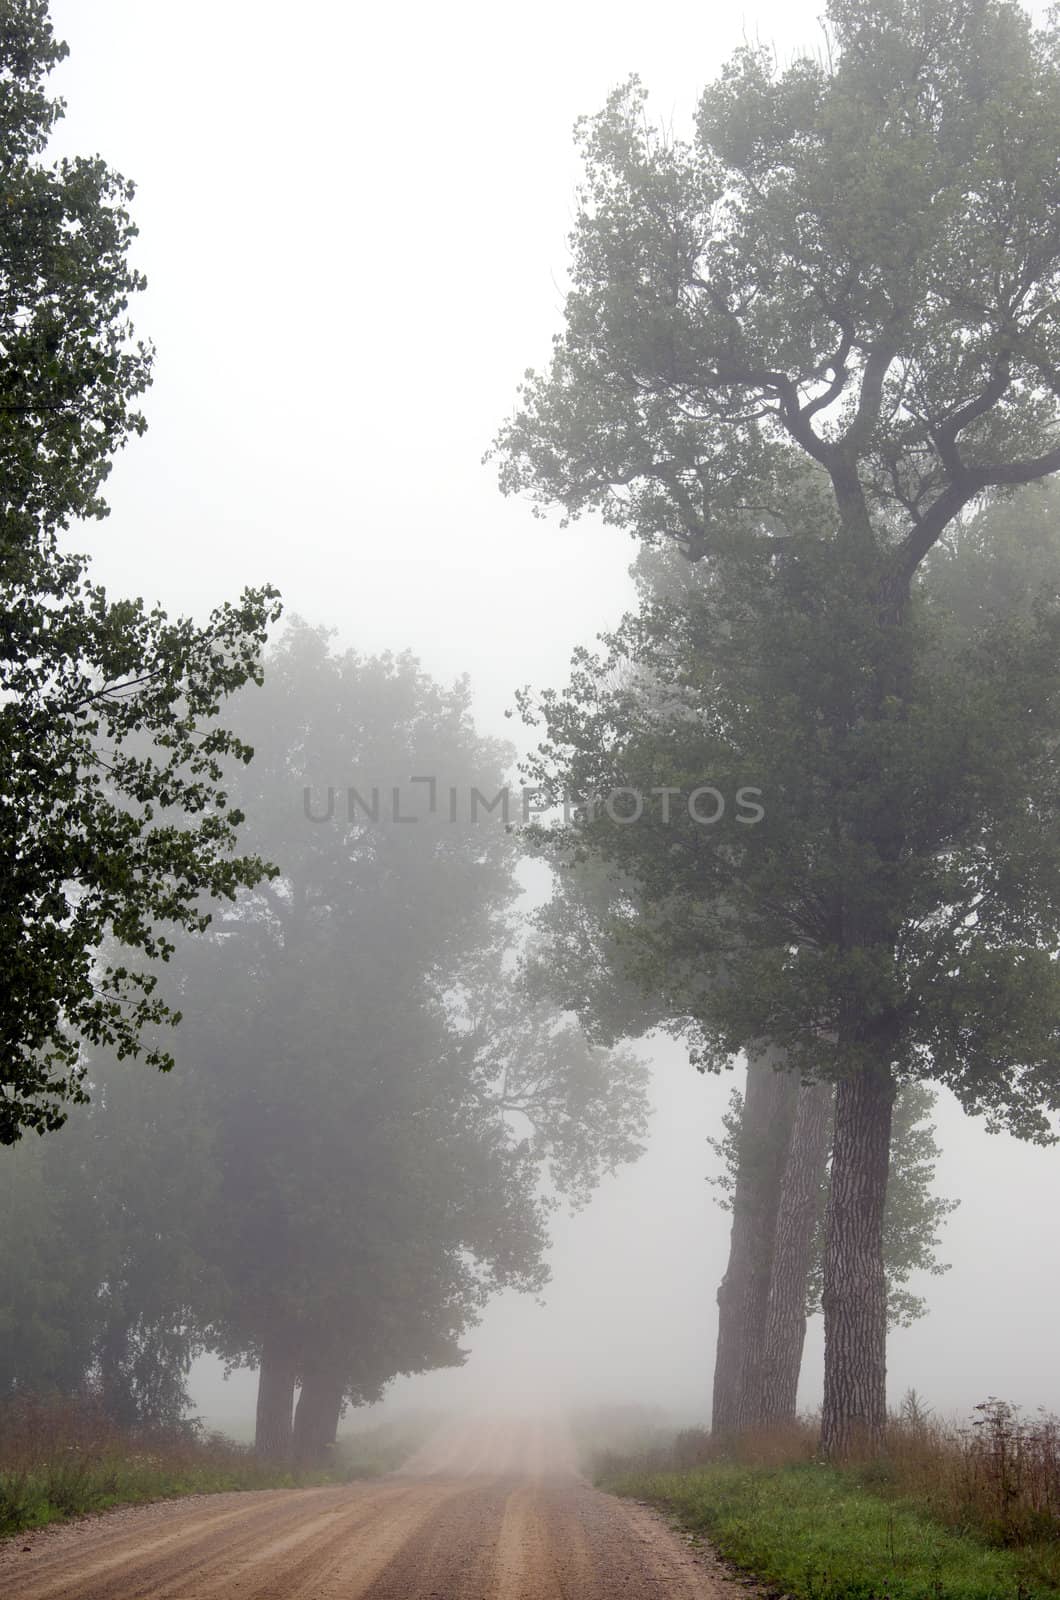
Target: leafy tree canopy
834,309
803,345
114,824
71,370
935,821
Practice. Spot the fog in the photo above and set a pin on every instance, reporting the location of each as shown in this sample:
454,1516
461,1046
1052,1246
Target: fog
630,1317
354,228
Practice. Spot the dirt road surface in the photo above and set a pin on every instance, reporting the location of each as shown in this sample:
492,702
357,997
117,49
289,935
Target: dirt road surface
486,1511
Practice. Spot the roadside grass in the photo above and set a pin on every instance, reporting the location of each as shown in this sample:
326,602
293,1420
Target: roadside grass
814,1533
370,1452
605,1434
947,1513
60,1459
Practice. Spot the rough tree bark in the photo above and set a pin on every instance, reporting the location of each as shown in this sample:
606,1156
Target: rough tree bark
855,1290
800,1198
743,1295
276,1381
316,1417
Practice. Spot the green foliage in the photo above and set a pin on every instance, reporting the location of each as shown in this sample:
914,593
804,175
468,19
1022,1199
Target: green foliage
63,1459
999,564
801,347
913,1215
817,1534
115,818
114,823
726,1148
900,893
834,305
71,370
968,1493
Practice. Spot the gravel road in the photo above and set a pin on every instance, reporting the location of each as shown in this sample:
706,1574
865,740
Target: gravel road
486,1511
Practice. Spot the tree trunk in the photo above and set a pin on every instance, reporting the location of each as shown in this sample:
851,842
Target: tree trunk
855,1289
743,1296
276,1380
316,1417
115,1390
798,1212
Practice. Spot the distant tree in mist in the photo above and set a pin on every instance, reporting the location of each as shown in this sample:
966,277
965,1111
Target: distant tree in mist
103,1285
803,346
368,1103
384,1096
113,816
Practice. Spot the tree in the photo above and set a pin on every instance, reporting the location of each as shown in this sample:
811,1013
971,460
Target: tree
51,1266
368,1201
796,1186
773,1150
743,1295
725,927
102,1281
369,1099
798,1214
113,819
807,344
71,370
405,1093
351,1157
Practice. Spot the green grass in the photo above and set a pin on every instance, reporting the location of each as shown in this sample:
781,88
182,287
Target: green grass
814,1533
60,1459
54,1490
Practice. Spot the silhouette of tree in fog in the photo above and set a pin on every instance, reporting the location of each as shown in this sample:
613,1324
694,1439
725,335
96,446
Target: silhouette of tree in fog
367,1100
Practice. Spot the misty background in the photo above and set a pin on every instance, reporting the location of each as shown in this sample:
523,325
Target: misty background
357,228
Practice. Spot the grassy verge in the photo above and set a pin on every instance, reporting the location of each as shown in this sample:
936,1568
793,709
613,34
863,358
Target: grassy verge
946,1512
76,1483
814,1533
60,1460
625,1434
370,1452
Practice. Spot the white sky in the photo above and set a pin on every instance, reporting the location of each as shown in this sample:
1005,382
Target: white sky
354,224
